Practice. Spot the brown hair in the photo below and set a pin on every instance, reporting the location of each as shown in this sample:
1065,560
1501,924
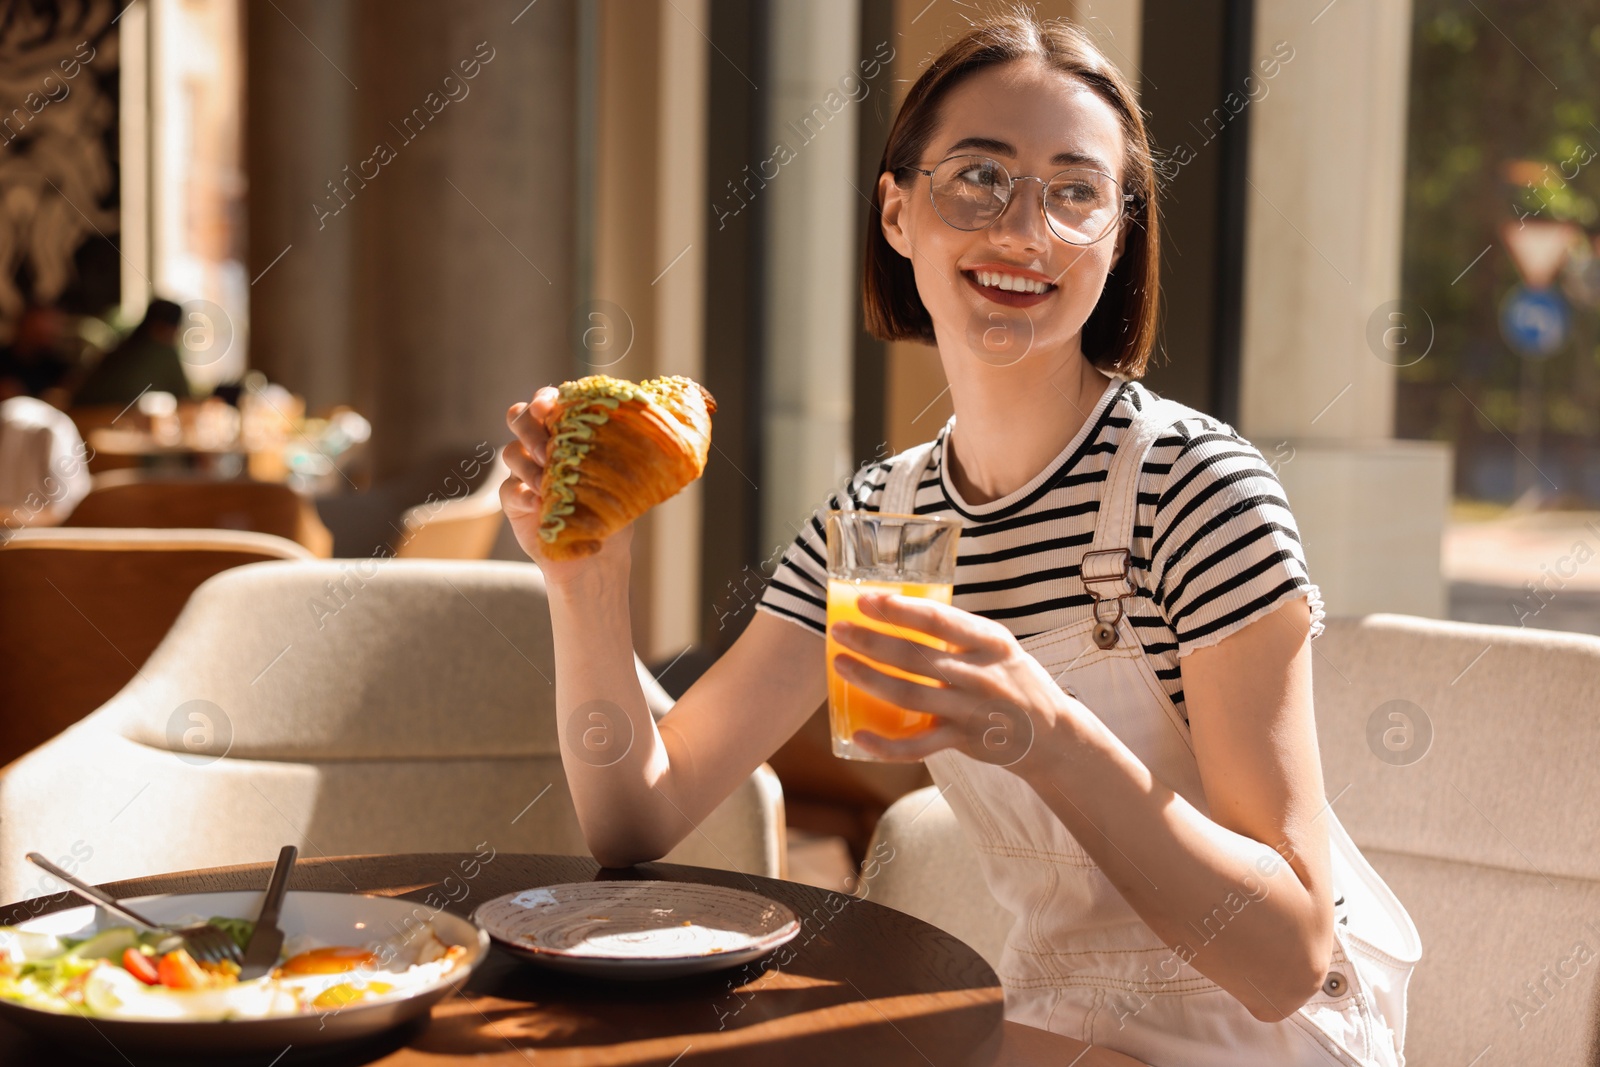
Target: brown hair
1120,332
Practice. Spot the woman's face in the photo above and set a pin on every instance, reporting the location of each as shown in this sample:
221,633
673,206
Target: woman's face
1033,120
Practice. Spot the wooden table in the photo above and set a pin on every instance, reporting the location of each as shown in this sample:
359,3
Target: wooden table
113,448
866,984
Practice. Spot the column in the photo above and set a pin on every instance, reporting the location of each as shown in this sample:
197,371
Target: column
411,164
299,111
1323,231
679,288
811,258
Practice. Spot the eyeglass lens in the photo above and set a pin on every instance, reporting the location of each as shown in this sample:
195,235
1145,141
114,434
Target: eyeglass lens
1080,204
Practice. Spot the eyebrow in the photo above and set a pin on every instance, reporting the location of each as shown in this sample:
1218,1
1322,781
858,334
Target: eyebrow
1060,159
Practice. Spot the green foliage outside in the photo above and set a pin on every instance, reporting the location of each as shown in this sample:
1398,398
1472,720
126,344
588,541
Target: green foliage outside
1504,122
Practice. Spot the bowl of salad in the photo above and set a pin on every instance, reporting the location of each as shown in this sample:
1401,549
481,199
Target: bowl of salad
351,966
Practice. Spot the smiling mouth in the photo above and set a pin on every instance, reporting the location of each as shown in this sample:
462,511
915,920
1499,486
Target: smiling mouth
1008,289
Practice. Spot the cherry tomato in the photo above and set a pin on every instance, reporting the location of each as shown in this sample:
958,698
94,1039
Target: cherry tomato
178,970
140,966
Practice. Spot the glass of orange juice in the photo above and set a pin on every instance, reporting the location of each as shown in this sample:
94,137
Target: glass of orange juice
870,551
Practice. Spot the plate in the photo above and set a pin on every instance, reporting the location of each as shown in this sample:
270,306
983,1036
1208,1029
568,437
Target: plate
333,918
637,930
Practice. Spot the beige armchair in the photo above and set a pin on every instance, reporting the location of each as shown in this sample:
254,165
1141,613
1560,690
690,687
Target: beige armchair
920,862
1491,837
454,527
347,706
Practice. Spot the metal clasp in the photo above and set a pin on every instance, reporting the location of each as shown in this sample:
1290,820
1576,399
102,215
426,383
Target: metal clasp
1105,630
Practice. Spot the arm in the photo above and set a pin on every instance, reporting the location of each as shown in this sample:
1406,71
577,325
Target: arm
640,787
1249,697
1249,701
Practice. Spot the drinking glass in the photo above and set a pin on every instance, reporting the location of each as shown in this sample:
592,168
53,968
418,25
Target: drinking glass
872,551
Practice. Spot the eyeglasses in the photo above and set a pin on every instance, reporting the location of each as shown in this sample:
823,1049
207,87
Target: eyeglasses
1081,205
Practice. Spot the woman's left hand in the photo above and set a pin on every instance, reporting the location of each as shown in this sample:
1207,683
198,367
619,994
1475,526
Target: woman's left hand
991,699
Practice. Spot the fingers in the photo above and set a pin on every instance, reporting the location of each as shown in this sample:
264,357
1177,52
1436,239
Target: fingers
906,749
936,699
516,498
527,421
538,409
898,650
523,466
961,630
531,434
995,730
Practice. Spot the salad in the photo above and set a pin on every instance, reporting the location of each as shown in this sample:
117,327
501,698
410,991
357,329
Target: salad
124,973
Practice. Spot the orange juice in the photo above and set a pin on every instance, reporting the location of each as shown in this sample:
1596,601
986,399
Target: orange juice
851,709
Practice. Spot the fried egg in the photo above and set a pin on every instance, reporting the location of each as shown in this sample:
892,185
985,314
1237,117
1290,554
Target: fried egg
314,978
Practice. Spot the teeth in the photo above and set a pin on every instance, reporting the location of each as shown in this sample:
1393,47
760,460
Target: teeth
1010,282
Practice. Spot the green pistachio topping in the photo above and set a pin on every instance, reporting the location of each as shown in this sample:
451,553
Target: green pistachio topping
586,404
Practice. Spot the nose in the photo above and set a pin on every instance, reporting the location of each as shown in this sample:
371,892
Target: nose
1021,222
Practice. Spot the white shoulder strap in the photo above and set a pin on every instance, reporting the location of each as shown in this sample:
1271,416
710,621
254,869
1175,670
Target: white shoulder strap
1105,565
905,473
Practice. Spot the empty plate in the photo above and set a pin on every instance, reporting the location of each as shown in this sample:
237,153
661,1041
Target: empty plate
644,929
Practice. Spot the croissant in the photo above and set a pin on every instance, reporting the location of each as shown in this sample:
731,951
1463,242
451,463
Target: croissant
617,449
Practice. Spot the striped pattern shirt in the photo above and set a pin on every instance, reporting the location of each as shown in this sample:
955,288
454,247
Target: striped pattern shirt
1214,545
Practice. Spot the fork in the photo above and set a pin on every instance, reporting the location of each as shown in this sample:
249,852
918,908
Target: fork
205,942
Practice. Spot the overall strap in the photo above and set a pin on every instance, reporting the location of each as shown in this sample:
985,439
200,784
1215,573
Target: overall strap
1105,567
905,472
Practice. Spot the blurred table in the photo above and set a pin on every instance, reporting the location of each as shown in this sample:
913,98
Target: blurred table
115,448
314,456
866,984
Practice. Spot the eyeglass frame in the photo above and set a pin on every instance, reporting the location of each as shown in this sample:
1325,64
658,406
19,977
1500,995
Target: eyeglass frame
1127,197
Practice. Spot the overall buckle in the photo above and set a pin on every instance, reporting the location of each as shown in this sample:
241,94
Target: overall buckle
1099,567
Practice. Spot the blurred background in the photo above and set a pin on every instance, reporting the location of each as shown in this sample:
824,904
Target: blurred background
381,223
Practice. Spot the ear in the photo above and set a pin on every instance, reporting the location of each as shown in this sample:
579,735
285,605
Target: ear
1122,243
893,199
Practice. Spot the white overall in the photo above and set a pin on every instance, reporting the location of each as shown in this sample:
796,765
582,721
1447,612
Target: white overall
1078,959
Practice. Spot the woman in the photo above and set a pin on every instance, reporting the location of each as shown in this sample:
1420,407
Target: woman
1132,606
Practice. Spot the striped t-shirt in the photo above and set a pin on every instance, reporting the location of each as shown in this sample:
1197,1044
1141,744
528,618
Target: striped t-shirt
1214,544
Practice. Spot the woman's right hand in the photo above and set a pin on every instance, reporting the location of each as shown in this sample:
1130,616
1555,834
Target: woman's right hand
519,494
